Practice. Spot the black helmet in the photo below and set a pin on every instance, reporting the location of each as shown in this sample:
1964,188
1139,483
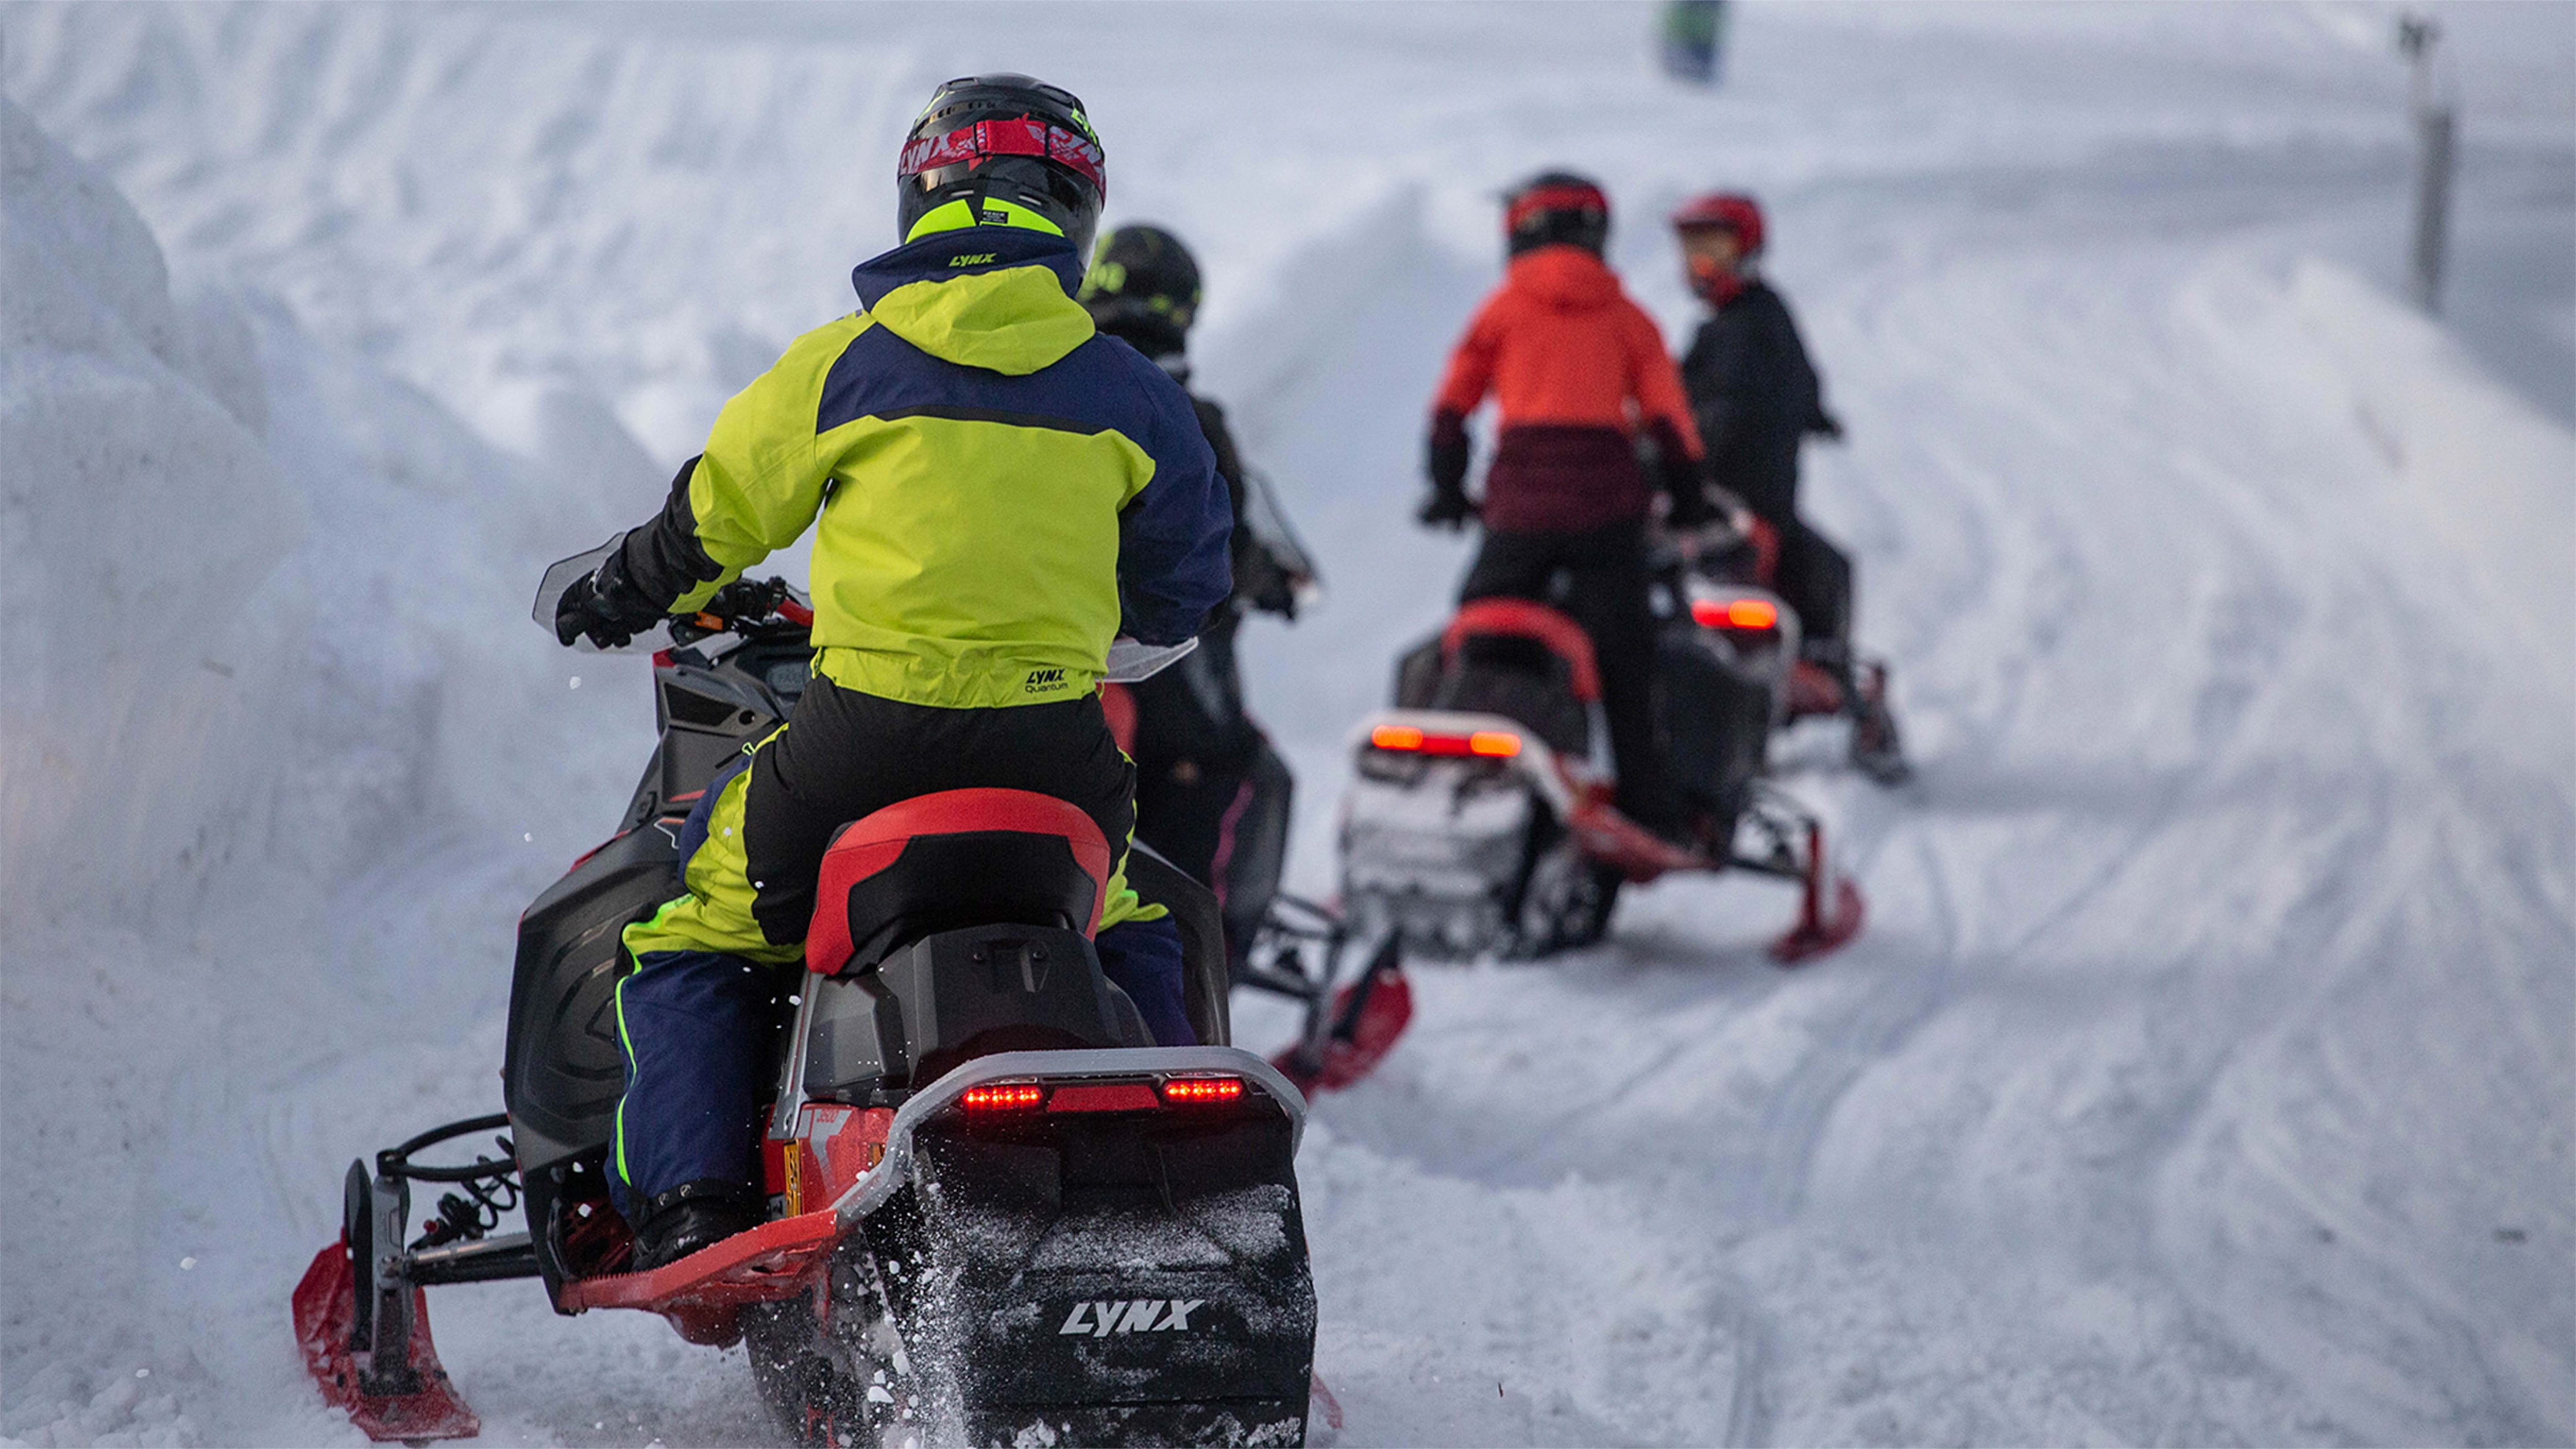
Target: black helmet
1001,150
1556,208
1143,287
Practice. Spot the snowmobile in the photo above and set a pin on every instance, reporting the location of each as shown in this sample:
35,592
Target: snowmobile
998,1212
1723,575
1479,820
1276,942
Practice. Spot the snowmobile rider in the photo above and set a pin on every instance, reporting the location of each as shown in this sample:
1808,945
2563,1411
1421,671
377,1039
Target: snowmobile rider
1195,746
1578,371
1756,398
997,491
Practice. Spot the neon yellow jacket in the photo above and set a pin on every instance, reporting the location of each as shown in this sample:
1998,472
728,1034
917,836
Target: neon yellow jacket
1000,490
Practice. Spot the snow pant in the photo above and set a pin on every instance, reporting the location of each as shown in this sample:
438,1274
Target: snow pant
1195,749
1815,578
696,1017
1599,579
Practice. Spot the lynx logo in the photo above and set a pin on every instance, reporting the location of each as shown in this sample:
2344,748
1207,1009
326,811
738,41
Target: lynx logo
1136,1315
1043,680
975,260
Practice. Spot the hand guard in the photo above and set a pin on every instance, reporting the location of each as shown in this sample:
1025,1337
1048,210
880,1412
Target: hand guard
604,608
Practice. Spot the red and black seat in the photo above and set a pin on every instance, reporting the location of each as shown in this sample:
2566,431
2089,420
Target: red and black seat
952,860
1515,658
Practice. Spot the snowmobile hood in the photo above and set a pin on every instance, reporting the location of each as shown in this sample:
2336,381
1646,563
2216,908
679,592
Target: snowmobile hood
997,298
1564,278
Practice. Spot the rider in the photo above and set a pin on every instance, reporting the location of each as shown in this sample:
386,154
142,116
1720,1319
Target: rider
1756,397
1195,746
1579,371
999,491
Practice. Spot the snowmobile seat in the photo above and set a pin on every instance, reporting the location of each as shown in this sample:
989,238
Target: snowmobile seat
1524,661
953,860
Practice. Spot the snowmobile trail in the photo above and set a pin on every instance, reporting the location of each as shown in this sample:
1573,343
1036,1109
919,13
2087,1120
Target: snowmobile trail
2203,1074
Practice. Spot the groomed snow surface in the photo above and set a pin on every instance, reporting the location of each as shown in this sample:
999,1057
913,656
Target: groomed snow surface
2206,1074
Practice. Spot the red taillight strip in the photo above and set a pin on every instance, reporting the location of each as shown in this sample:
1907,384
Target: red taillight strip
1197,1091
1735,614
1002,1097
1486,744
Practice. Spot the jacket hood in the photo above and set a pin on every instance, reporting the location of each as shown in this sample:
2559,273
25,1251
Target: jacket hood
998,298
1567,278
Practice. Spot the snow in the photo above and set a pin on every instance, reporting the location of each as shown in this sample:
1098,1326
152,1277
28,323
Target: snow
2206,1073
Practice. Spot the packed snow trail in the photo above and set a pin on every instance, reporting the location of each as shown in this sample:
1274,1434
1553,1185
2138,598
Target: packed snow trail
2206,1074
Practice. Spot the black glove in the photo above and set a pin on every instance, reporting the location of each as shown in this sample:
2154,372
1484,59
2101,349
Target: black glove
1447,507
1828,427
604,608
1446,463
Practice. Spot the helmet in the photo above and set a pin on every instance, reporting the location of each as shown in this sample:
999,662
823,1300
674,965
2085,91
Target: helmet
1556,208
1002,150
1724,211
1144,287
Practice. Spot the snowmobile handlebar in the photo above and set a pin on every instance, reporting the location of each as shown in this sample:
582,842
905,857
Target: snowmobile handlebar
741,606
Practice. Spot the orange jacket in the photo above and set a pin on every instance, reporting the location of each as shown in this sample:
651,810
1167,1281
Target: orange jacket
1579,371
1560,343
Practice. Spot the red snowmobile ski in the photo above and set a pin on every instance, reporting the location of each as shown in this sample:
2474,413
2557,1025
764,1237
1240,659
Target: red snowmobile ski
998,1212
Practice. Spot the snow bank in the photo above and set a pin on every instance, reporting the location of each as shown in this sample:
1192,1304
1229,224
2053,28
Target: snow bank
280,757
142,513
2494,478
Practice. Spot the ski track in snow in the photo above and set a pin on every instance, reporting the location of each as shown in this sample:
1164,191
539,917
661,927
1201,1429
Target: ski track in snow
2204,1074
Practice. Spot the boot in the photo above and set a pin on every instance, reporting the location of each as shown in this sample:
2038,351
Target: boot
690,1217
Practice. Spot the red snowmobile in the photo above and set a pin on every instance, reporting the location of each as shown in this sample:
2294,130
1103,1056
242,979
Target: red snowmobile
1723,575
998,1212
1480,822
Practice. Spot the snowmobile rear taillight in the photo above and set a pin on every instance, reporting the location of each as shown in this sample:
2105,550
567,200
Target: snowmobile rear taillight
1748,614
1485,744
1197,1091
1003,1097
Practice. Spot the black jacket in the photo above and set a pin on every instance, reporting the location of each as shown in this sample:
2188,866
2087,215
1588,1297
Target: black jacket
1754,395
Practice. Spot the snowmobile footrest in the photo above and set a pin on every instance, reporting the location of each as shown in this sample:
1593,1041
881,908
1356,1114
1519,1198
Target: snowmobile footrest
703,1294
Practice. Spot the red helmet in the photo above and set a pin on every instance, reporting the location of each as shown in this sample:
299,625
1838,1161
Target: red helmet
1724,211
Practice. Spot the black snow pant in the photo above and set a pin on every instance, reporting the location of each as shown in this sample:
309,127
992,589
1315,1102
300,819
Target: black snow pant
1599,578
1815,578
1195,749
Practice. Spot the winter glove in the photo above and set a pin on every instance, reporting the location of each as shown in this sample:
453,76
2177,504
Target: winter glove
1446,462
1447,507
1827,427
604,608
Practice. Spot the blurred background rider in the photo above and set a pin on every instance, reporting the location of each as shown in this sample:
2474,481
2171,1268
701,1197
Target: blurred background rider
1197,750
1756,397
1578,372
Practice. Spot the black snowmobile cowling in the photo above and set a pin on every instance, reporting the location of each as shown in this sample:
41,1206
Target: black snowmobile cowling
998,1213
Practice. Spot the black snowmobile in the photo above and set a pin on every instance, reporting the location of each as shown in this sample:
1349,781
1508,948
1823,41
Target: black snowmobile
1277,942
1480,821
999,1214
